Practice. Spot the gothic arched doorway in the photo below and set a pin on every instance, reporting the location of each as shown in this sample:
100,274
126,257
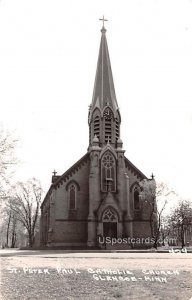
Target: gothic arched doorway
110,220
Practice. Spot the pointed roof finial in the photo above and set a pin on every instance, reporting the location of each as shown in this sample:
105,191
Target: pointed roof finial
54,173
103,30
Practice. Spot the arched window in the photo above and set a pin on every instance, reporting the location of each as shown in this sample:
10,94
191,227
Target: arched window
72,196
136,199
96,127
108,172
108,131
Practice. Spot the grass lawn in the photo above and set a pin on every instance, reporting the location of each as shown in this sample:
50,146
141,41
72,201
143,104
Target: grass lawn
102,278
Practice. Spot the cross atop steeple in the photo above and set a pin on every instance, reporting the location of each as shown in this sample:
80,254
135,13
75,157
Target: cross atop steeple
104,20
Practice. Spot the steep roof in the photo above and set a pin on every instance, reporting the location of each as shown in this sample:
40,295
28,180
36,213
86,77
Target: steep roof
72,170
104,90
78,165
67,174
134,169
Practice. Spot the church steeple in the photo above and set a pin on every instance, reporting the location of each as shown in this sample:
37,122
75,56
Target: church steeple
104,116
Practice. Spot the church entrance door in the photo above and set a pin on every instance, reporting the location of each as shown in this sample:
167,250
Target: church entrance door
110,229
110,221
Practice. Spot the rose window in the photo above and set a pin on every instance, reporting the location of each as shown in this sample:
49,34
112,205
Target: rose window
108,161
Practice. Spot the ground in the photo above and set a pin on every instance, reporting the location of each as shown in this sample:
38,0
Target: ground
68,275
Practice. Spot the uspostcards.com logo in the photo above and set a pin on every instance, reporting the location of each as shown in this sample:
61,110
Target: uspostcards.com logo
128,240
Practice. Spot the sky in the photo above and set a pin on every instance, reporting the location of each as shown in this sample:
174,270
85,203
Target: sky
48,58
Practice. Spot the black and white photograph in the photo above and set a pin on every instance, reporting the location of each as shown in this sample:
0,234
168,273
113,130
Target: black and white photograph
96,149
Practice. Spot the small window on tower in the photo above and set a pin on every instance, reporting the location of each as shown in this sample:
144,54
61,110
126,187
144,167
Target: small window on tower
96,130
116,128
108,115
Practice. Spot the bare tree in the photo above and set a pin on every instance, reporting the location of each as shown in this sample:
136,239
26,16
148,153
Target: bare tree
7,155
26,205
10,228
7,160
5,227
11,232
156,196
165,228
181,219
148,196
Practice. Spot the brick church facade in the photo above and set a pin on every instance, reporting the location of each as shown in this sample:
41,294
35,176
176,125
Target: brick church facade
99,196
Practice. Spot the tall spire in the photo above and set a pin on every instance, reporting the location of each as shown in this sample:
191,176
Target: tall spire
104,91
104,117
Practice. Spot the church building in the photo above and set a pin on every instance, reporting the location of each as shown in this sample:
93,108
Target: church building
99,196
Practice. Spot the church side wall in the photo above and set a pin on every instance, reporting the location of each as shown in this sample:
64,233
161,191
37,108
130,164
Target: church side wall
70,233
141,217
71,225
142,234
44,221
141,229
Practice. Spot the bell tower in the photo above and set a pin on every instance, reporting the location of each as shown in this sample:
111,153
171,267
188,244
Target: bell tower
104,116
108,182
